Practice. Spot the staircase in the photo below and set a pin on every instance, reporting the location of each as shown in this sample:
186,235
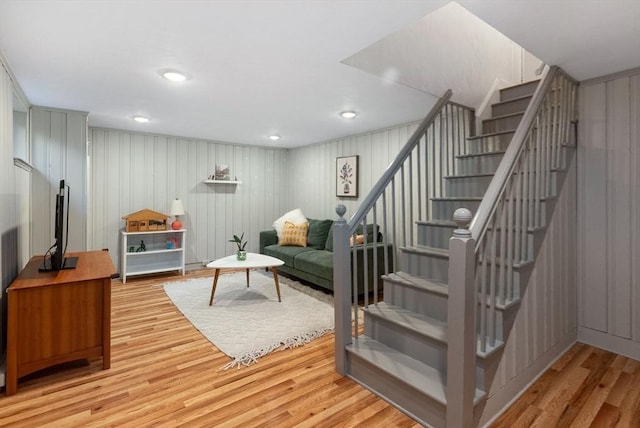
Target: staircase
403,350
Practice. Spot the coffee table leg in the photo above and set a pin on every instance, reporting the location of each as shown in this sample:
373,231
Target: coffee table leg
247,278
215,282
275,279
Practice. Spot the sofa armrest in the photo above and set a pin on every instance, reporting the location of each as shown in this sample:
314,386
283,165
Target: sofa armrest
267,237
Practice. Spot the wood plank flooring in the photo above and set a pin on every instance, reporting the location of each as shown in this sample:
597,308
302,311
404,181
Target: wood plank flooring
586,387
165,374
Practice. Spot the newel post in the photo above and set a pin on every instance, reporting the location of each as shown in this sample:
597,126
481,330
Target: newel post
341,288
461,332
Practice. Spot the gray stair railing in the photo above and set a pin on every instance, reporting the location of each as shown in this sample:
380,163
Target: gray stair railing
513,207
387,217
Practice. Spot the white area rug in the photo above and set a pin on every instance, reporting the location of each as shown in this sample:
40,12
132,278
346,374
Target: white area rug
248,323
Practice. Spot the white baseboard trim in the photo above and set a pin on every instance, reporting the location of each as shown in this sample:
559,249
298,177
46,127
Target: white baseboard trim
619,345
509,393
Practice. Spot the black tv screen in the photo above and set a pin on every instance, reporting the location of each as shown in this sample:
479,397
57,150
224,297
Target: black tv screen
54,260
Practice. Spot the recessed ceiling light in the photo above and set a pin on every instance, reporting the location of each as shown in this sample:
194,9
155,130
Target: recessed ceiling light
174,76
141,119
348,114
274,137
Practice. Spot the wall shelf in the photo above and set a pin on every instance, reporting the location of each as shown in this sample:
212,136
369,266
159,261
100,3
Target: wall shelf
221,182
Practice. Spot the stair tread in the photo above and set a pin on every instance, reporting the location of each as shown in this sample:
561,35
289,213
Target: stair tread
486,174
418,323
458,198
510,100
414,281
420,376
473,155
504,116
424,249
412,372
491,134
434,222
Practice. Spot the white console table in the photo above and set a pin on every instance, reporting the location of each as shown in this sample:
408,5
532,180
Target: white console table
164,252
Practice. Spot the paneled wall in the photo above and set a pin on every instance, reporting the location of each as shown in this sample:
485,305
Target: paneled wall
546,320
313,169
133,171
609,213
9,252
59,151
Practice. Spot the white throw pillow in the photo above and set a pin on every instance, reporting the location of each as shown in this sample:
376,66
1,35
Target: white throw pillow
293,216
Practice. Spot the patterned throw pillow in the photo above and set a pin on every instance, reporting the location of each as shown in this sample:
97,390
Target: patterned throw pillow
294,234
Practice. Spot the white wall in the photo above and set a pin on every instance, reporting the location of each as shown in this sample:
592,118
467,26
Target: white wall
133,171
609,213
314,167
9,202
58,145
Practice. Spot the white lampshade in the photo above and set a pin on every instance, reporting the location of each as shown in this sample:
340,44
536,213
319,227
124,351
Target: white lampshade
176,207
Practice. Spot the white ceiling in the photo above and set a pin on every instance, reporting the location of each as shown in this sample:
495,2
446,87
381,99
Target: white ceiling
264,67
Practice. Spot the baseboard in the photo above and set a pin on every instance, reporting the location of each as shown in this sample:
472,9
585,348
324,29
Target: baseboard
508,394
619,345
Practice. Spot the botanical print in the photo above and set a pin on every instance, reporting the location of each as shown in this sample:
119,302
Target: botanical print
347,176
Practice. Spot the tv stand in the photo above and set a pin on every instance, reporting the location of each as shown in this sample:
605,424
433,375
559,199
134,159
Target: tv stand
61,316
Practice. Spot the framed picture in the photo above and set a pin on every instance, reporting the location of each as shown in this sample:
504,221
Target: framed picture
347,176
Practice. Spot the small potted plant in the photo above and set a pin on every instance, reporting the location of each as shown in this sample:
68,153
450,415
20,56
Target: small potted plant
241,254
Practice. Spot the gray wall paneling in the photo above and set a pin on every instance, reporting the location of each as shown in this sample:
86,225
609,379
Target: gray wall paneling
609,214
10,202
59,151
314,167
132,171
546,321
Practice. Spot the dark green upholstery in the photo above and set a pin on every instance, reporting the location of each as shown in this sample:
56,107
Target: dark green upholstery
315,263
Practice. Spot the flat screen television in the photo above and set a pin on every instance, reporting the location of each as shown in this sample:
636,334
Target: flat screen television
54,259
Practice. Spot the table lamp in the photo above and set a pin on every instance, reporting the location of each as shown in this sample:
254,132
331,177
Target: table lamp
177,209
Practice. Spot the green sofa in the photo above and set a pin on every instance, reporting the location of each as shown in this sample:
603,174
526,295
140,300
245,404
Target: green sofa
314,263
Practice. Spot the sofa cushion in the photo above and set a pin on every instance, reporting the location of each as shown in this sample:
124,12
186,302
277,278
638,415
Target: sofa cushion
318,262
294,216
328,244
286,254
294,234
318,232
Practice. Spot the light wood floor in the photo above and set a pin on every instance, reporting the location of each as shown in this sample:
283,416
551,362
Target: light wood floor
164,373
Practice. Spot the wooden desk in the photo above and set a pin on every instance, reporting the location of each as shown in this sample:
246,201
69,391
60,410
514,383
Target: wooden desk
55,317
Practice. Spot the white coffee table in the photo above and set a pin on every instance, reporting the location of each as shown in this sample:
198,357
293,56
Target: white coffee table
253,261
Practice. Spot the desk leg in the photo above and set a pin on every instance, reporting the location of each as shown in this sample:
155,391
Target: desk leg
11,379
106,324
275,279
215,283
247,278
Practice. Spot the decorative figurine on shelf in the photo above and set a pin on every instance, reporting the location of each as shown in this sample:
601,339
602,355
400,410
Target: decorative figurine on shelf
142,248
241,254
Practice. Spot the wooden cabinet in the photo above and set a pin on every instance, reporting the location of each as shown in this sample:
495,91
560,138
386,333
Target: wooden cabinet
163,251
55,317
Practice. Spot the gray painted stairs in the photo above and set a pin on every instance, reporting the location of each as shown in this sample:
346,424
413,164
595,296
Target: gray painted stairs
402,354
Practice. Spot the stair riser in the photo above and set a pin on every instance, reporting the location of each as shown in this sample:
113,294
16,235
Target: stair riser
427,266
501,124
459,187
417,300
436,236
408,399
485,164
518,91
444,209
493,143
416,346
511,106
